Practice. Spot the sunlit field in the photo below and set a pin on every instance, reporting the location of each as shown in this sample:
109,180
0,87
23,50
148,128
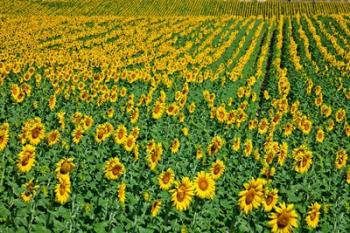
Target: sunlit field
161,117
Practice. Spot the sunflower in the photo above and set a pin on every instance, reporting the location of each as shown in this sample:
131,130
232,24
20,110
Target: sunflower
283,153
158,110
154,156
221,114
263,126
182,194
341,159
215,146
121,193
35,133
155,208
134,116
77,135
135,132
313,215
320,135
52,102
64,167
318,101
326,110
63,190
340,115
302,159
236,144
267,171
306,126
136,152
172,109
288,129
4,138
204,185
30,191
175,145
26,158
101,133
87,122
252,196
284,219
60,117
166,179
113,169
270,200
217,169
330,125
192,107
347,129
53,137
248,147
199,153
129,143
185,131
120,135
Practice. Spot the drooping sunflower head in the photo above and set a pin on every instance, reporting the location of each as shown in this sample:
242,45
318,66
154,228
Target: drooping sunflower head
284,219
121,193
155,208
166,179
248,147
204,185
64,166
182,194
114,169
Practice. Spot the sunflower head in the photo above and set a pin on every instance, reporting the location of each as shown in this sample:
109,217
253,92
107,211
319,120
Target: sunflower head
63,190
155,208
114,169
64,166
341,159
166,179
252,196
284,219
26,158
217,169
270,200
182,194
313,215
204,185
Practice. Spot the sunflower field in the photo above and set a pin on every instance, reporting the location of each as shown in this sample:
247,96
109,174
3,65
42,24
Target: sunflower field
228,123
